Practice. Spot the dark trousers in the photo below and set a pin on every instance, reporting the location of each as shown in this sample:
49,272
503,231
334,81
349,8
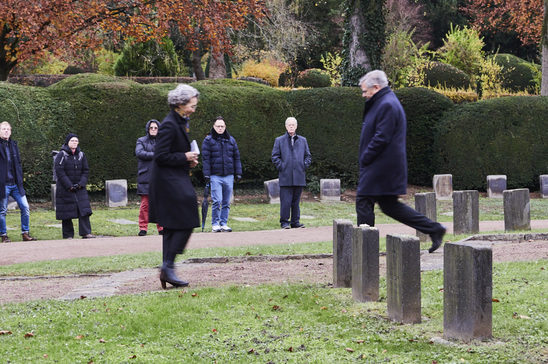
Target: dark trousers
390,205
173,243
289,202
84,227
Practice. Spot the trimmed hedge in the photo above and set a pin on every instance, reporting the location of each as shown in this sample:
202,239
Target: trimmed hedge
438,74
499,136
517,73
109,114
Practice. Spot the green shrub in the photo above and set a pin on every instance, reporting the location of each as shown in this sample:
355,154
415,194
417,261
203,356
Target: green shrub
518,74
73,70
462,48
148,59
313,77
424,109
264,69
438,74
287,78
498,136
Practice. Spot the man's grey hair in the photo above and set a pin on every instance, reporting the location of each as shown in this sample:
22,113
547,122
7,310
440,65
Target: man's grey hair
181,95
376,77
291,118
5,123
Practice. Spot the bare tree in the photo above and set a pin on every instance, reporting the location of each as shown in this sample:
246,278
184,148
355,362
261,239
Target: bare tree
544,43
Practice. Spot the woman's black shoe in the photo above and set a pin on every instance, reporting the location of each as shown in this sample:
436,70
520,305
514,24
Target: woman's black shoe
142,233
167,275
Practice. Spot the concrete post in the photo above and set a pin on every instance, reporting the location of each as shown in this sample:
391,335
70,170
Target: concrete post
517,210
467,290
365,264
342,253
425,203
403,278
466,212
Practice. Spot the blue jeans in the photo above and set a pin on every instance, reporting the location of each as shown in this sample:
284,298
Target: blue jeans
221,192
23,206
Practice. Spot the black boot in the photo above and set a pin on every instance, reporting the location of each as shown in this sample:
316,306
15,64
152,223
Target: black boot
167,275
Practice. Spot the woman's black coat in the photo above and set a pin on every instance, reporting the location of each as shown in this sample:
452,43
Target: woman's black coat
144,150
71,169
172,199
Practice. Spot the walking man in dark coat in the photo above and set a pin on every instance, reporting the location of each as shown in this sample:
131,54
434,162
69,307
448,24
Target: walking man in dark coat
11,183
383,160
291,157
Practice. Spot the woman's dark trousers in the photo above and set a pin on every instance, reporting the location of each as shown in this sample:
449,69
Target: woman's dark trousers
84,227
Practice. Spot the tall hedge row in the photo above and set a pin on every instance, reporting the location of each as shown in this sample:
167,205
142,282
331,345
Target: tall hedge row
109,114
499,136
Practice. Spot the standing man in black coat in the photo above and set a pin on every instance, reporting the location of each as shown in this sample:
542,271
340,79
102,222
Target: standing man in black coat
71,196
172,199
11,183
383,160
291,157
144,150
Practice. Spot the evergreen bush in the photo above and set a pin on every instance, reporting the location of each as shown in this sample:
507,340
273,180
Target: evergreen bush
438,74
518,74
498,136
148,59
313,77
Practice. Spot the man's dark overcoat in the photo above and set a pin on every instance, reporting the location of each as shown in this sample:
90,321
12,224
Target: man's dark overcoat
172,199
16,157
144,150
71,169
291,161
383,160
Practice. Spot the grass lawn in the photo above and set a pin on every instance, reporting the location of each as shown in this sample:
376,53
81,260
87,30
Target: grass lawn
44,226
274,324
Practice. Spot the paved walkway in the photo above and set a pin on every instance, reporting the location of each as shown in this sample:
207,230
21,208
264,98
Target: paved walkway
21,252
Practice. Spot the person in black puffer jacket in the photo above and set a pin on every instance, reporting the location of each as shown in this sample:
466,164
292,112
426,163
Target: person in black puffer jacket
221,162
144,150
71,197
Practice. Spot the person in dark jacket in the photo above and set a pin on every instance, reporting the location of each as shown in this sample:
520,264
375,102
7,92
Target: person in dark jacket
291,157
221,161
144,150
172,199
71,196
11,183
383,160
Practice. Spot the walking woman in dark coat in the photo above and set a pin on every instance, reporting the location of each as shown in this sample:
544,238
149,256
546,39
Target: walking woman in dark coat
71,197
144,150
172,199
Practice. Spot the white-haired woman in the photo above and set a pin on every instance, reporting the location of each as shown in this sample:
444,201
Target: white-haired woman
173,202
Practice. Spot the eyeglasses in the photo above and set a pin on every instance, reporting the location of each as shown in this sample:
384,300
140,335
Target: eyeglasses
153,128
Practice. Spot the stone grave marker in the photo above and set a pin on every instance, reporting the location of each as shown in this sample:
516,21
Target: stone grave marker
425,203
544,185
365,264
342,253
272,189
443,186
466,212
116,192
496,184
330,190
517,209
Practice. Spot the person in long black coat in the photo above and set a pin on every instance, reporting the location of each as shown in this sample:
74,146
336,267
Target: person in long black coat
172,199
71,196
144,151
292,157
383,160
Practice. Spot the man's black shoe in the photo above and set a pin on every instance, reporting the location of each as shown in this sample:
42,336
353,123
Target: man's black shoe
437,240
286,226
297,225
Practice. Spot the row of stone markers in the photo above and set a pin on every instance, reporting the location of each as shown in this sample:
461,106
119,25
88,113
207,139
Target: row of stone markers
496,185
517,210
467,276
330,190
115,193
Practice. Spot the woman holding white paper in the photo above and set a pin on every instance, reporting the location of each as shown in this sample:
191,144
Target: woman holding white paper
173,202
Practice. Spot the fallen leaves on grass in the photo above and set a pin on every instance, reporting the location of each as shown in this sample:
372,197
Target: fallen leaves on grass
79,337
29,334
102,341
495,300
5,332
350,350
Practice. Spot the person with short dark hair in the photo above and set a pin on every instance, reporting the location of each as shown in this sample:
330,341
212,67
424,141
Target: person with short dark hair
172,199
291,157
11,184
383,160
144,150
221,164
71,196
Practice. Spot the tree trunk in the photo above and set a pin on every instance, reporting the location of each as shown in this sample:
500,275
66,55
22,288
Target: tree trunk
357,55
217,67
197,65
544,42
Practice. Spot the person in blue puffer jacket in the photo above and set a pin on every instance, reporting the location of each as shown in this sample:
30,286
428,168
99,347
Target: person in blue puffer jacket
221,164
